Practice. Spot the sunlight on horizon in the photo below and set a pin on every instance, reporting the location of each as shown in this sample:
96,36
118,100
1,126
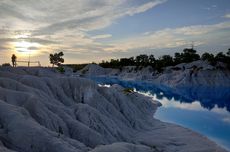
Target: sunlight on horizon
24,48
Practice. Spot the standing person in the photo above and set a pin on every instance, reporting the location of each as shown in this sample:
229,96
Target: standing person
13,59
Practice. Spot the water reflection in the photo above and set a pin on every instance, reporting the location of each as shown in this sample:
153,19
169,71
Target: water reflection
208,97
203,109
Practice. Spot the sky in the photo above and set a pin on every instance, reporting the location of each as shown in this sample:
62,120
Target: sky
94,30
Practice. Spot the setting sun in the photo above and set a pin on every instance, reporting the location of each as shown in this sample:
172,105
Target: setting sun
24,48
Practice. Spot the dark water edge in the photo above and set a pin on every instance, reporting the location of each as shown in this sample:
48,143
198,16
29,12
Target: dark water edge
205,110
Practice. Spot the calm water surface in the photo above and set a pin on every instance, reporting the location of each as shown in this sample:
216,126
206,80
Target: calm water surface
204,110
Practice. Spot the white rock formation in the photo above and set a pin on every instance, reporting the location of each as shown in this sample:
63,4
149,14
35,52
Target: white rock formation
197,73
93,70
137,73
43,111
127,72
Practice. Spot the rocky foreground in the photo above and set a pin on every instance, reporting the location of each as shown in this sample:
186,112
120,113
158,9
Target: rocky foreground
43,111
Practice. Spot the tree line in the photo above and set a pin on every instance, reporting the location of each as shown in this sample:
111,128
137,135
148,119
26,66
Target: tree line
188,55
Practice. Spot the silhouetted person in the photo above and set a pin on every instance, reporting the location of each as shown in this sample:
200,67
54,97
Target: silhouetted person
13,59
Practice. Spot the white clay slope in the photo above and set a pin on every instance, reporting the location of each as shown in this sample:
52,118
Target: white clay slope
174,76
43,111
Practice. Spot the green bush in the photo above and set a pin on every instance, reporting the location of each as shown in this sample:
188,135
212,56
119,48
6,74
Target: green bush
61,69
128,90
6,64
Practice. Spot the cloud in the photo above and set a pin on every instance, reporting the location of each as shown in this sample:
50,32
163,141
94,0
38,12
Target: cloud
144,7
104,36
194,30
226,16
174,37
33,48
227,120
202,29
22,51
97,15
64,23
52,16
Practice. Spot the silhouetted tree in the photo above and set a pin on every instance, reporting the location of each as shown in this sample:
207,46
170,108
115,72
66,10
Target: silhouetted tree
178,58
228,53
208,57
14,60
165,60
220,56
131,61
114,63
141,60
152,60
56,58
125,62
158,65
189,55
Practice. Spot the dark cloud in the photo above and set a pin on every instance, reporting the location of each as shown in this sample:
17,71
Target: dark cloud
7,10
33,48
64,25
22,51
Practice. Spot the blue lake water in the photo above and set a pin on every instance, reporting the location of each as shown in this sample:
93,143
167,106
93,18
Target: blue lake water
203,109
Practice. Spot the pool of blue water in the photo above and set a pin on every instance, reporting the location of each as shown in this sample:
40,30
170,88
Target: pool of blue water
203,109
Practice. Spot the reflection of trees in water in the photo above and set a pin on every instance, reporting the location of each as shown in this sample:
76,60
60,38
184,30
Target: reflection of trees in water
207,96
